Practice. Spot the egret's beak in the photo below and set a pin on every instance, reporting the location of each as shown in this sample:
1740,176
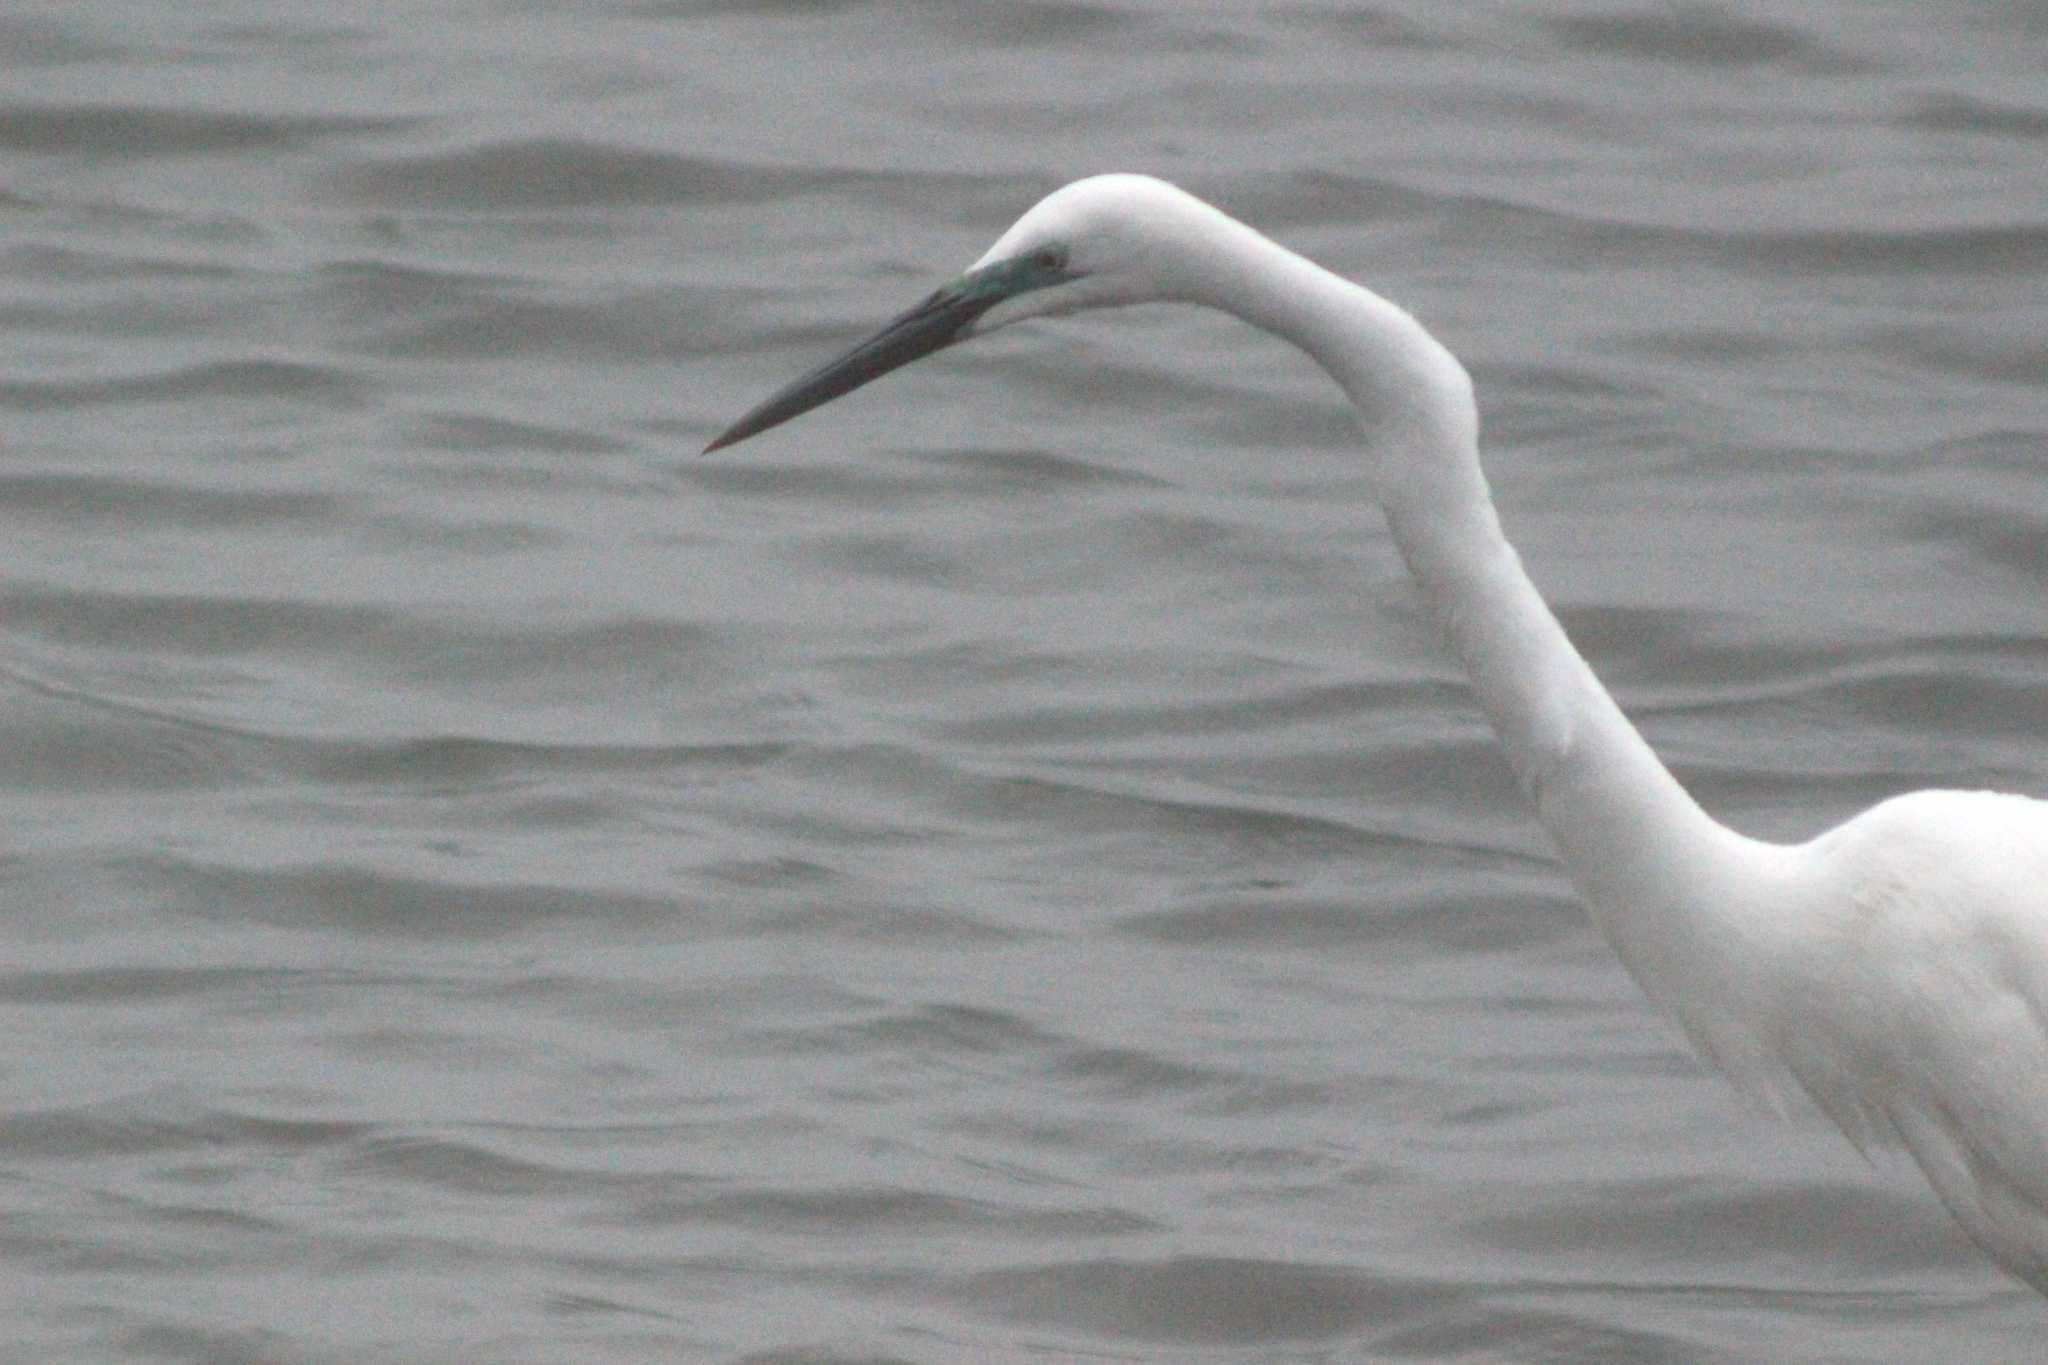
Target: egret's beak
935,323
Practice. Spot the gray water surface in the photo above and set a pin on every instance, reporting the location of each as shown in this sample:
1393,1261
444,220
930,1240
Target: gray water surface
998,870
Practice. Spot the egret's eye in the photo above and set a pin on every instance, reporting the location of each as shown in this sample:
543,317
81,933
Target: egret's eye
1049,258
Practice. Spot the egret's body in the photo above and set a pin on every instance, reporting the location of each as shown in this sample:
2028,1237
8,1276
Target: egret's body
1895,969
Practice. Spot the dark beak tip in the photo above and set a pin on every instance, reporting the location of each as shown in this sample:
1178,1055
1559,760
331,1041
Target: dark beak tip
932,325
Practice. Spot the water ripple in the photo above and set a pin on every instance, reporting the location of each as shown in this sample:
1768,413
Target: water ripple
123,131
1206,1301
560,173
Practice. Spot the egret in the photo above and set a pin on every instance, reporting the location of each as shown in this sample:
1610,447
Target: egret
1894,969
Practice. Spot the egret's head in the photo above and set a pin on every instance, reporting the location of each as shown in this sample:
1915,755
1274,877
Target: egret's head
1096,243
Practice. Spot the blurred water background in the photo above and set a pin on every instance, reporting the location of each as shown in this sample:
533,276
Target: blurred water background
998,871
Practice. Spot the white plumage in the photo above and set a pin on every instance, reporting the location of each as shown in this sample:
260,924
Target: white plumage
1894,969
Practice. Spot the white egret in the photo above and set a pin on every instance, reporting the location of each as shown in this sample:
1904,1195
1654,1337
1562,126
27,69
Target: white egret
1895,968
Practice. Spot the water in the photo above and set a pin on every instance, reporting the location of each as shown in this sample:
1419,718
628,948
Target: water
999,870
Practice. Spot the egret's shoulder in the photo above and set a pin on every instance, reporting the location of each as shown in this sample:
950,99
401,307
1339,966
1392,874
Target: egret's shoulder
1937,874
1943,824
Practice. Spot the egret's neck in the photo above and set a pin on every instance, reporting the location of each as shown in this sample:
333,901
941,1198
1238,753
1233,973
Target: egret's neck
1632,838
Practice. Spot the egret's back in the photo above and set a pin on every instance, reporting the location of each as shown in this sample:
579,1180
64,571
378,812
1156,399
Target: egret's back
1914,1001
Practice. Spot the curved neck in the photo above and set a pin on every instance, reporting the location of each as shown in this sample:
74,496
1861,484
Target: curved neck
1639,848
